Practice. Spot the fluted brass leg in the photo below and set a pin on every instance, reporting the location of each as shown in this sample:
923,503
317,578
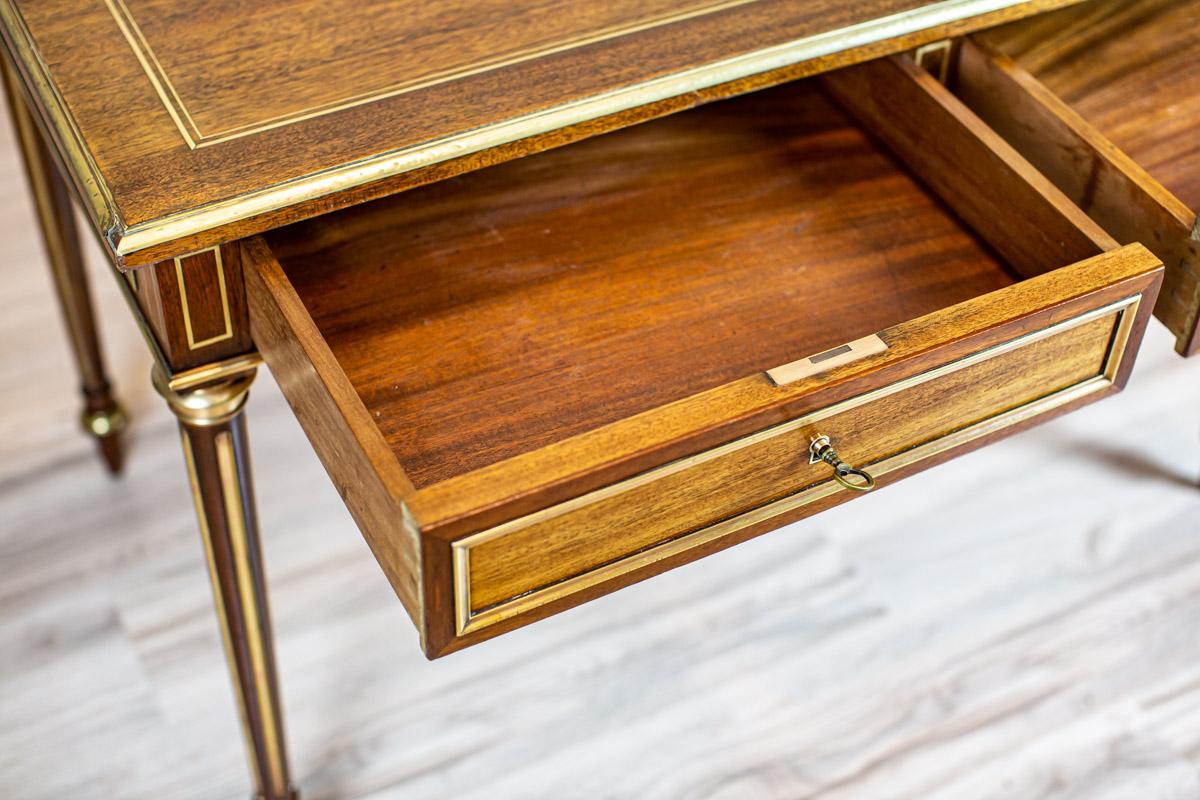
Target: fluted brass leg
213,430
102,416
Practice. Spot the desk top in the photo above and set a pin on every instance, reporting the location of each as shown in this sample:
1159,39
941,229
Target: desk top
186,123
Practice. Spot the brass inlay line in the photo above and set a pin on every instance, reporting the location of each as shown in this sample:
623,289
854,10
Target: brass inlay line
252,605
468,620
218,599
191,133
183,301
145,56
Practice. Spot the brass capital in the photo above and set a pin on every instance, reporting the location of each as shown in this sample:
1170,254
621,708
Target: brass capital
211,404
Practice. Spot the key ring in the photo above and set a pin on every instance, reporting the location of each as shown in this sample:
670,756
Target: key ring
847,475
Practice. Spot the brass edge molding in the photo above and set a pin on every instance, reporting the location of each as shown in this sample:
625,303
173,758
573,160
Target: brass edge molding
214,372
207,405
183,299
412,532
172,101
90,186
467,621
127,284
82,170
293,192
1120,340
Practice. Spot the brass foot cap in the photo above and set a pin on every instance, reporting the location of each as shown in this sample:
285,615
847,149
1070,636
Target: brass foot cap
106,426
102,424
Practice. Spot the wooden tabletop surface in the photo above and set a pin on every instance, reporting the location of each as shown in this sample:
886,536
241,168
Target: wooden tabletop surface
186,123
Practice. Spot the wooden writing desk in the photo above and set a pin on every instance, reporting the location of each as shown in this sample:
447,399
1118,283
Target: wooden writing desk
539,382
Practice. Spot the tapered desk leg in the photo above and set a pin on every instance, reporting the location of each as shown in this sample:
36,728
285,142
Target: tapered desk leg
102,416
213,430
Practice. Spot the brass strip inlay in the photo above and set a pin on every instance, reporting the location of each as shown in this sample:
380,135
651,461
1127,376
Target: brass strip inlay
128,288
158,77
125,240
941,48
252,605
218,599
187,379
191,133
183,300
467,620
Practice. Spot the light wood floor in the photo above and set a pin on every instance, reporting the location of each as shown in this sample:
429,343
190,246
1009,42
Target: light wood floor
1021,623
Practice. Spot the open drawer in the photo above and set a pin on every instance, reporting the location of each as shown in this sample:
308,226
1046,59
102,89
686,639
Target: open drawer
1104,99
548,379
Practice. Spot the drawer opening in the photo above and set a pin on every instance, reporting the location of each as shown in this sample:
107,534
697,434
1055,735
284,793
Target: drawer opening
511,308
535,383
1104,99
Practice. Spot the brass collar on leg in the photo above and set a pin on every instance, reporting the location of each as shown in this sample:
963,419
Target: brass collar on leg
211,404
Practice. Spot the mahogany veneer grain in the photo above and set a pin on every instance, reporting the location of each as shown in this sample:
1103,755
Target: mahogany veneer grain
1132,70
230,102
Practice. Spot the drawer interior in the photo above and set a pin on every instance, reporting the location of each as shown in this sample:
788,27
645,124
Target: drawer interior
511,308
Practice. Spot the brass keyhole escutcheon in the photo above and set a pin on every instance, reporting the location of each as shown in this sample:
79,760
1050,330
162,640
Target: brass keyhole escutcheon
847,475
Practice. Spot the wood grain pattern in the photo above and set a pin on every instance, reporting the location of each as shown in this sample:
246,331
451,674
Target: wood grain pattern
132,121
325,56
1130,70
443,510
1141,53
442,501
369,478
992,187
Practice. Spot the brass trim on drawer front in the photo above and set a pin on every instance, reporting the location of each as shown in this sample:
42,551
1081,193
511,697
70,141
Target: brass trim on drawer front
467,621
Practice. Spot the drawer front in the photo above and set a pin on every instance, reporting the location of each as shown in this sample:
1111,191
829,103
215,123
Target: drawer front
699,501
